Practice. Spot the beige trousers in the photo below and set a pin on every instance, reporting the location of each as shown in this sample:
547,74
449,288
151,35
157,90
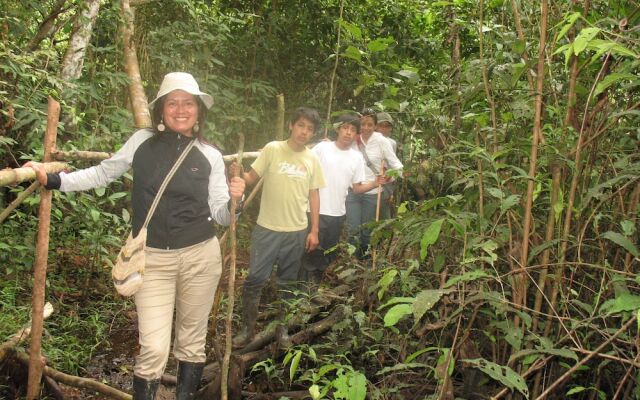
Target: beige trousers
184,280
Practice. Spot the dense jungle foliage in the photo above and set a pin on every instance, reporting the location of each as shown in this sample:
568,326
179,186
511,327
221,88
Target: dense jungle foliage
510,267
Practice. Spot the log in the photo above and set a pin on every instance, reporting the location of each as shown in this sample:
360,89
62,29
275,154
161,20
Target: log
13,176
76,381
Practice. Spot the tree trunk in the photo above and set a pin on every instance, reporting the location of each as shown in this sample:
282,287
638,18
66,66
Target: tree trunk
139,103
80,37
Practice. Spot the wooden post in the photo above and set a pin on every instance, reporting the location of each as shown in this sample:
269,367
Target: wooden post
36,363
280,121
374,253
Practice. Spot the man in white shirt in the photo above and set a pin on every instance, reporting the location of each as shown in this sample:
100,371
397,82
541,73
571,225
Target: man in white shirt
385,126
361,208
343,168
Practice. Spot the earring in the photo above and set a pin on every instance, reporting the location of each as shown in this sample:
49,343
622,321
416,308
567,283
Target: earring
161,126
196,127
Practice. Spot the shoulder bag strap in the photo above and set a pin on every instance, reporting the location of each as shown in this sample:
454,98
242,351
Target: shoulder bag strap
366,158
173,170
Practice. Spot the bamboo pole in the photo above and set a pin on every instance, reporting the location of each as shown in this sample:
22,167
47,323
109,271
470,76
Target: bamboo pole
280,117
520,295
36,363
232,281
13,176
374,252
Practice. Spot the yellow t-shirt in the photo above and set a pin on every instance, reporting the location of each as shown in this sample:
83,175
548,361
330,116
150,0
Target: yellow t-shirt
288,177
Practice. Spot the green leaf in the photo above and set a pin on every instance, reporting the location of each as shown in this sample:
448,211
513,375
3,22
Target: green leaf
622,241
385,281
418,353
378,45
396,313
314,391
350,386
430,236
125,215
353,53
565,353
411,75
622,303
425,301
294,365
95,214
502,374
354,30
583,39
610,80
509,202
575,390
467,277
401,367
570,21
117,196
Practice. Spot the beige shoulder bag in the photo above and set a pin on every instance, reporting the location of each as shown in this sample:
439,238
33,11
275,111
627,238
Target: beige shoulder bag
128,269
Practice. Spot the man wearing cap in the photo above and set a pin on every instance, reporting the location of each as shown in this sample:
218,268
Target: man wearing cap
343,168
385,126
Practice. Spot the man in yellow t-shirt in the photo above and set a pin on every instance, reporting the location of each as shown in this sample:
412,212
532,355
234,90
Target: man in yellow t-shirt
292,177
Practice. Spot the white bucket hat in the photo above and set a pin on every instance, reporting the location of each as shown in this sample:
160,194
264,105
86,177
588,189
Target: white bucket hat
183,81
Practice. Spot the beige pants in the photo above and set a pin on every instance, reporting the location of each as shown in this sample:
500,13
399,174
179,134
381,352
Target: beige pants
184,279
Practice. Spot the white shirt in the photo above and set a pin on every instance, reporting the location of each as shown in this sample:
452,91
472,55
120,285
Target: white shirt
378,148
342,169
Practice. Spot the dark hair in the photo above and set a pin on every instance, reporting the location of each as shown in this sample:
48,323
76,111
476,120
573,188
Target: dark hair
370,112
308,113
348,118
156,115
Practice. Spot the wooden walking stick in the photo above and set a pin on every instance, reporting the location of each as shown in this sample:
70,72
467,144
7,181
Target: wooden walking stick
232,280
374,253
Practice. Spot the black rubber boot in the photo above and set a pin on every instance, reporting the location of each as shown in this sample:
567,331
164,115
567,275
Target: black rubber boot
189,375
144,389
250,303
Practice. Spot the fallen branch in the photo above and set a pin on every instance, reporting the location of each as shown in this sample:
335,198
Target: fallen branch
595,352
298,394
241,363
15,203
22,334
77,381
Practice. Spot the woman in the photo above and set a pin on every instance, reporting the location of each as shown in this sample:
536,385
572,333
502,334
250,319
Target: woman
361,208
183,263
